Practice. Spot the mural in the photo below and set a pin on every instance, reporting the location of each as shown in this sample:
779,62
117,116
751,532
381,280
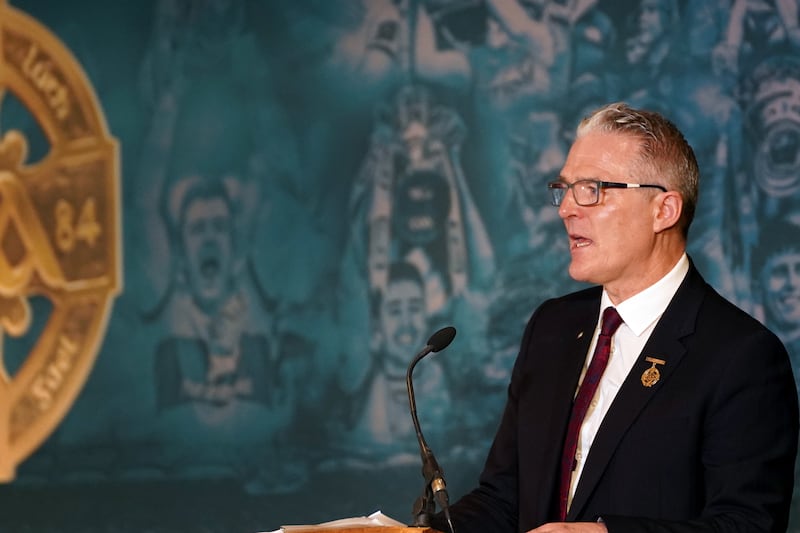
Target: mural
310,189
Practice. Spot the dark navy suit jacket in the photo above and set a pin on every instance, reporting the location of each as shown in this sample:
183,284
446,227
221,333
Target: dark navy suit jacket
710,447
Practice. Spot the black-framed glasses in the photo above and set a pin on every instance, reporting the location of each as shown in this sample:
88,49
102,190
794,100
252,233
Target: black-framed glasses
587,192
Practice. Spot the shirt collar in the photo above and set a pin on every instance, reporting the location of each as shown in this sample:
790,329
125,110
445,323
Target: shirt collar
641,310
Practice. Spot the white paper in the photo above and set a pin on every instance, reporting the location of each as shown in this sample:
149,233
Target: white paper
376,519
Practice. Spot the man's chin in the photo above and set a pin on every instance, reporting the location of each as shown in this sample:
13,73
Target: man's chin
791,317
208,301
579,273
404,353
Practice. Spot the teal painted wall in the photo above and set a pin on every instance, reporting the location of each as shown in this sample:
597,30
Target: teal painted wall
277,156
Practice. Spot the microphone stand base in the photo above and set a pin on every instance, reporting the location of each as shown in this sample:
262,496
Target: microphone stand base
423,510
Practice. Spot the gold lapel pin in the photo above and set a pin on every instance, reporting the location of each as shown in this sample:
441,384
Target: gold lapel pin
580,334
651,376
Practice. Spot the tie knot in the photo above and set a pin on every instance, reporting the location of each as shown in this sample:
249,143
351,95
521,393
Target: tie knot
611,321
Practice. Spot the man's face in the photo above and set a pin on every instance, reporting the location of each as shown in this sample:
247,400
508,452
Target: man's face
403,320
652,19
780,280
207,240
612,243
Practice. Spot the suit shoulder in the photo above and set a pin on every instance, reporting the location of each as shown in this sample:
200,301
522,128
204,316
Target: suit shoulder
577,305
586,298
729,327
716,305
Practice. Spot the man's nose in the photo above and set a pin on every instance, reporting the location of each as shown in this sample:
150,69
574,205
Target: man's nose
794,275
568,205
406,319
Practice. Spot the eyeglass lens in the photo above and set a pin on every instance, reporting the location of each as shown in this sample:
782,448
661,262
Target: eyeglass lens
585,192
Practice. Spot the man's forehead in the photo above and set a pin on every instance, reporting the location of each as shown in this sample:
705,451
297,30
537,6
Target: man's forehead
403,287
601,151
787,257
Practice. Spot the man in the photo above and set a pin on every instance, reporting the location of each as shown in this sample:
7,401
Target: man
693,425
210,358
379,409
776,270
776,273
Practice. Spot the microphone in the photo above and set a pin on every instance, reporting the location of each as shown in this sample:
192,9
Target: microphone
431,471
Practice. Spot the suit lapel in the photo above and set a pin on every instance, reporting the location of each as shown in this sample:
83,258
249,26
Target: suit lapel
664,344
562,387
563,343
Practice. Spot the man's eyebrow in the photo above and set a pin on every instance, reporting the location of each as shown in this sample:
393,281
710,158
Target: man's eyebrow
579,178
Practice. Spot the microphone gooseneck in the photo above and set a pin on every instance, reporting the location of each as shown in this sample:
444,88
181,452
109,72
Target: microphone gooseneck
435,486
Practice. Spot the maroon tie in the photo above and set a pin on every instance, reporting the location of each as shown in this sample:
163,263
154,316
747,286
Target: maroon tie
611,321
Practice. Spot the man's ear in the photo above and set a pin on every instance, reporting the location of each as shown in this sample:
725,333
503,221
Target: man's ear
759,297
376,341
669,208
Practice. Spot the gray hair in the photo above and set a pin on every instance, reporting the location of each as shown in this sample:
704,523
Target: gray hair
665,154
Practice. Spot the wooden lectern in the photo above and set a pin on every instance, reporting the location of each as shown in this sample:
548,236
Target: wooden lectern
363,529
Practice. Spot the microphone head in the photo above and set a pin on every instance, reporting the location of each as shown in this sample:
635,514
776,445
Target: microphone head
442,338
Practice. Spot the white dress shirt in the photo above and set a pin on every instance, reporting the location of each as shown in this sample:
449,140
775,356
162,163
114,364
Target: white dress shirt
640,313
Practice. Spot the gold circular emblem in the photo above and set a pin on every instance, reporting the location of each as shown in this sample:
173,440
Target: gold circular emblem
650,376
59,233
